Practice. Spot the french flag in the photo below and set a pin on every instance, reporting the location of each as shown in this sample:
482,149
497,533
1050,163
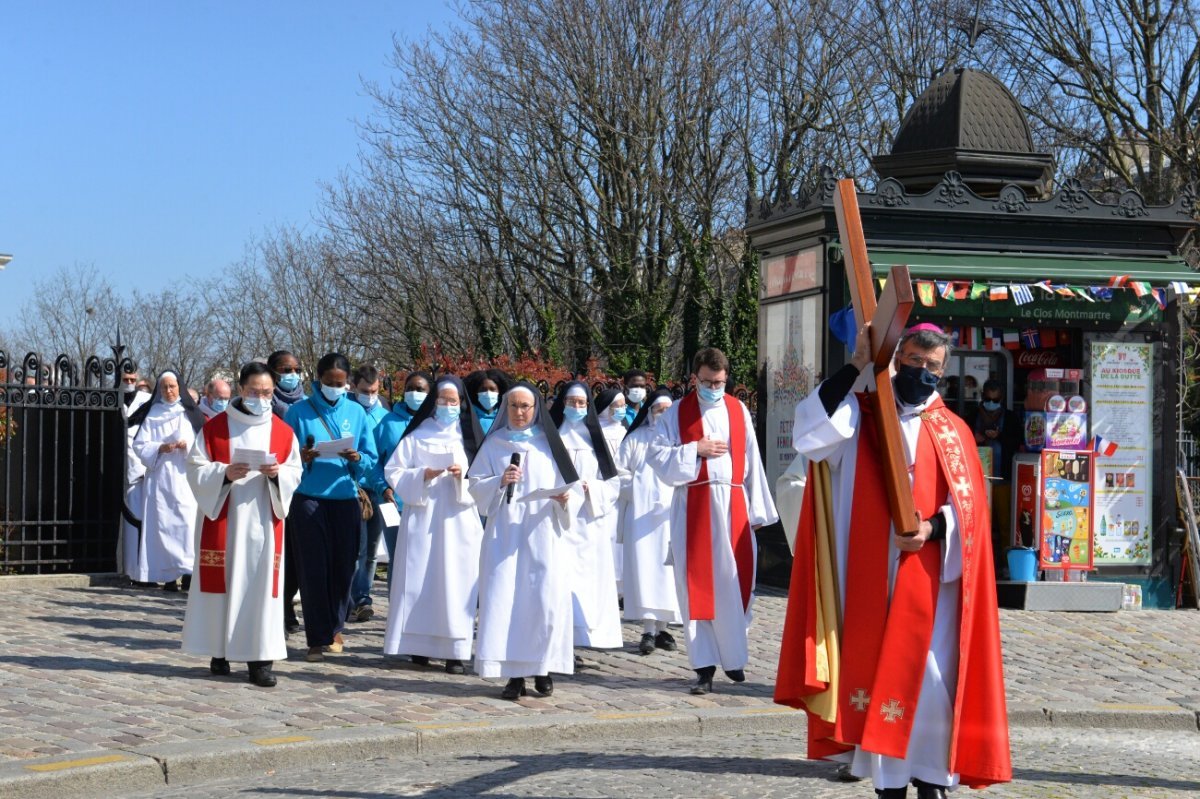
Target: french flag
1104,446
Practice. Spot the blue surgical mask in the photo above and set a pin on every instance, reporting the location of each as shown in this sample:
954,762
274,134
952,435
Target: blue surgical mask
521,435
414,399
219,405
574,414
289,382
711,395
447,413
991,406
333,393
488,399
257,406
368,401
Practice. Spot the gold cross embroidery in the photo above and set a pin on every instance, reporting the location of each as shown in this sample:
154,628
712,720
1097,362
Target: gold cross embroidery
891,711
860,701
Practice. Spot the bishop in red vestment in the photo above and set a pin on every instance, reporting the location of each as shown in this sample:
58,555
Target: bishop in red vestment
891,643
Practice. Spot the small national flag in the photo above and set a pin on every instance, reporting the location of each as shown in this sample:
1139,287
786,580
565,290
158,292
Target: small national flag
998,293
1021,294
882,281
1064,291
945,290
1044,285
925,293
1104,446
1031,339
1049,336
961,287
1102,293
1140,288
1084,294
1180,288
1011,340
1116,281
1160,296
978,290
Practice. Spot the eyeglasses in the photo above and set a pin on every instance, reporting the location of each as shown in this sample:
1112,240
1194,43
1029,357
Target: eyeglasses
521,407
712,383
917,360
259,393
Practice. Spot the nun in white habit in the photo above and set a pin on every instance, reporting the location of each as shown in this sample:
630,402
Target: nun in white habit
434,587
165,429
650,596
525,619
235,605
592,536
611,408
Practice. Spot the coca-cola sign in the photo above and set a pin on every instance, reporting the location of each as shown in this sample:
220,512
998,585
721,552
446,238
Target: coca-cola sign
1038,359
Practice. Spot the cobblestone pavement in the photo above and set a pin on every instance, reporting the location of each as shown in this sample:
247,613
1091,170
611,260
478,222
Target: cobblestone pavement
1047,763
91,669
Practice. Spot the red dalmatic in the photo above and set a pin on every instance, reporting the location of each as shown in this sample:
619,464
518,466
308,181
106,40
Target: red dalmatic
213,532
886,642
699,511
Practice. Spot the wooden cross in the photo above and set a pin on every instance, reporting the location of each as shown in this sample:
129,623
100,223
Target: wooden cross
888,317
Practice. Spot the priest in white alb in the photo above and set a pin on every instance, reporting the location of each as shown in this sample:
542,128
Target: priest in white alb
706,448
243,468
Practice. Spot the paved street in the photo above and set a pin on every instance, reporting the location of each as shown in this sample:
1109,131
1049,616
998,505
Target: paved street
1072,763
95,675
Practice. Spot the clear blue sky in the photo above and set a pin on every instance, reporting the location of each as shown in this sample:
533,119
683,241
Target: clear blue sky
153,139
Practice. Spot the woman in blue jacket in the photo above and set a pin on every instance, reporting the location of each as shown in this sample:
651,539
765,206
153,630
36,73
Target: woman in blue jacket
325,516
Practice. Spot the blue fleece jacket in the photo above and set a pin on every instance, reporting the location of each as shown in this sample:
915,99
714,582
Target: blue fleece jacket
333,478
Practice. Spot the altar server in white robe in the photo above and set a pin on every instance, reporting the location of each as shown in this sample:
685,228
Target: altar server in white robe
706,448
525,618
612,408
431,611
235,606
165,429
649,582
594,531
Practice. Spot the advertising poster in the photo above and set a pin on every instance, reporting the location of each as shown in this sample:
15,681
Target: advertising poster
1067,499
1025,500
1122,408
789,347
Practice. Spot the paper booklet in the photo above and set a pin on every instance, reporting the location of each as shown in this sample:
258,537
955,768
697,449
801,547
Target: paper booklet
254,458
330,449
547,493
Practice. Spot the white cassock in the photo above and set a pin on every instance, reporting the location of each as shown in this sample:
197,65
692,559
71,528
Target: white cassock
614,434
525,618
590,543
649,582
246,622
134,498
834,440
167,549
431,609
721,641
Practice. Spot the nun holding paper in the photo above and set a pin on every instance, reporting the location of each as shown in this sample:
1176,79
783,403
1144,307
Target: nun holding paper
434,589
522,480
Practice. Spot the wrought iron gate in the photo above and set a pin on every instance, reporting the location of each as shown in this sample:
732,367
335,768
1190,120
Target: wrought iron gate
62,463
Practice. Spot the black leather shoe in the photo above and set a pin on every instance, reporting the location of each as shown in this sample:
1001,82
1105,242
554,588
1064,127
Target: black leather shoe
927,790
543,685
291,626
219,667
260,674
514,690
737,675
455,667
420,660
665,642
185,582
172,587
704,680
646,646
891,793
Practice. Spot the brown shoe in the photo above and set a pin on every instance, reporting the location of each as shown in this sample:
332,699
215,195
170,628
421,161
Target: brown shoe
315,654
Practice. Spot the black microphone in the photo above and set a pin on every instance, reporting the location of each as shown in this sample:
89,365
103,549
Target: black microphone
515,460
308,444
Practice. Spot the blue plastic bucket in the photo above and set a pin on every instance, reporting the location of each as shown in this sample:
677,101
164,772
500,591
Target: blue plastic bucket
1022,564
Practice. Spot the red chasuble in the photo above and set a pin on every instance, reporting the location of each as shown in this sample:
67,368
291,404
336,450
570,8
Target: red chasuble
699,511
886,643
213,532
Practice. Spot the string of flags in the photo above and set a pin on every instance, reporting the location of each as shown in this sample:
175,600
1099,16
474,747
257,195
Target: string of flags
997,338
930,291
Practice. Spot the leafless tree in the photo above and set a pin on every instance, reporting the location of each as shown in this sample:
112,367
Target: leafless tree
74,312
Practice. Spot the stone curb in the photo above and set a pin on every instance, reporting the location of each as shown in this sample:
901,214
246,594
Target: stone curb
37,582
144,769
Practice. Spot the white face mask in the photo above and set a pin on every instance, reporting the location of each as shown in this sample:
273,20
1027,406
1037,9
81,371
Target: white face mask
333,393
414,399
637,395
128,388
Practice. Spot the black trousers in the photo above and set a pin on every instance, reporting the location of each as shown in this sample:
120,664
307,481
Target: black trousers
291,575
325,536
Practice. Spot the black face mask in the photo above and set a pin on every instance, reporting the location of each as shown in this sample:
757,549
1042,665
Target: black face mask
914,384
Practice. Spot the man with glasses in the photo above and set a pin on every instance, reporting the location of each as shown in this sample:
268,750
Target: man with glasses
920,695
706,449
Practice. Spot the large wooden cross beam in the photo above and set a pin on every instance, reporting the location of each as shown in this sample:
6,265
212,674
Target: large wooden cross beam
888,317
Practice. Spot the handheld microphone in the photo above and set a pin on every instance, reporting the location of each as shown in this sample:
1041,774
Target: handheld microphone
515,460
308,444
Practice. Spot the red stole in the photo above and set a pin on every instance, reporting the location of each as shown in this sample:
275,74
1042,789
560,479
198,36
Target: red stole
886,644
213,531
699,511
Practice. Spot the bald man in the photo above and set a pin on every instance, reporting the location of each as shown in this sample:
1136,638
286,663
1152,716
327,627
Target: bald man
216,397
